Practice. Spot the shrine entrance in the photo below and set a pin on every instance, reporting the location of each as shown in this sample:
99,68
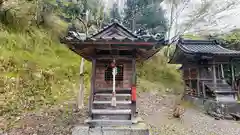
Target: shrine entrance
114,52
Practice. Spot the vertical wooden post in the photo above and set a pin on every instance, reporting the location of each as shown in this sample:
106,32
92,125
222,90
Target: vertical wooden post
232,74
81,89
214,75
93,76
198,81
186,92
190,81
204,91
222,72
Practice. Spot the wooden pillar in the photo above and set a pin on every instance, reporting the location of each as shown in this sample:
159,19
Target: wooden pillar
190,81
184,79
214,75
222,72
92,91
204,91
198,81
232,74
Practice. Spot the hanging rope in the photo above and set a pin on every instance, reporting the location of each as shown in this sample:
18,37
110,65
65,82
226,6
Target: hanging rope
114,73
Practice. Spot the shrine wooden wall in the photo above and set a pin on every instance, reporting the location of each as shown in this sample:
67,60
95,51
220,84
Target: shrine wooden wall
101,83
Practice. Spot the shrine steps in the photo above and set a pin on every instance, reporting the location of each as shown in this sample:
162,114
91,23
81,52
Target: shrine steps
223,91
221,88
104,114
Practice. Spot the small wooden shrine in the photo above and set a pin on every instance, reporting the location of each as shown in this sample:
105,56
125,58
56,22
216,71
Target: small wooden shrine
113,51
208,69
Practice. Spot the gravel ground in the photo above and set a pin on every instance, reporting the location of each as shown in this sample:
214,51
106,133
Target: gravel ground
156,111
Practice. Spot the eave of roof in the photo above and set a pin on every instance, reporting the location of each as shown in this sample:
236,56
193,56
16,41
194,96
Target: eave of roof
75,38
205,47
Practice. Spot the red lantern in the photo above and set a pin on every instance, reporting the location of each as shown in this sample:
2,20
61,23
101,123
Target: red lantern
134,93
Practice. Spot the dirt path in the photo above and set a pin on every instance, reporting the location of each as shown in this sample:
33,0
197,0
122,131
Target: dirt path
156,111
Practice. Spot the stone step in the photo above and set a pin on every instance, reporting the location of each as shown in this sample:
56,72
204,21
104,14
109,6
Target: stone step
108,111
109,102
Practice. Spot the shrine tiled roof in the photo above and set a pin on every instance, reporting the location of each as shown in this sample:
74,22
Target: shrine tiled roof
190,48
114,37
204,47
112,32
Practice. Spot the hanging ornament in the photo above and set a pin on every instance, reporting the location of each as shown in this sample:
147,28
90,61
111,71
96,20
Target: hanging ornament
113,64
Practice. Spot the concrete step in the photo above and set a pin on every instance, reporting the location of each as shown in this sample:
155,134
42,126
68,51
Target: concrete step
108,111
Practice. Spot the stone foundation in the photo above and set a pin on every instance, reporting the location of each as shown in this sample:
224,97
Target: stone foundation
136,129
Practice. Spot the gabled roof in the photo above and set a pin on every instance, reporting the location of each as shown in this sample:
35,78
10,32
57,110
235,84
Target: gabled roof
114,30
200,47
